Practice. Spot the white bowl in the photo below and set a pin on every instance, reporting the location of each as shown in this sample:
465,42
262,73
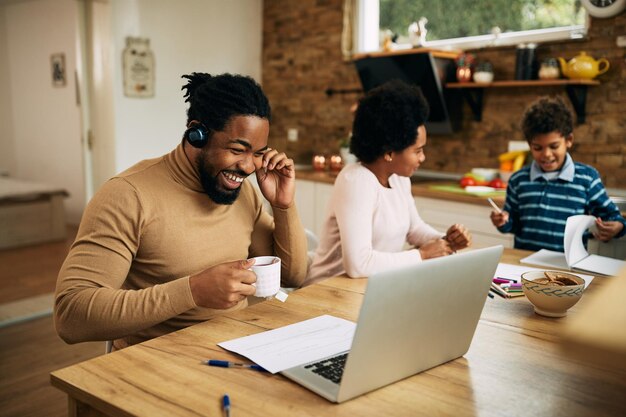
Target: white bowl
487,173
550,300
505,175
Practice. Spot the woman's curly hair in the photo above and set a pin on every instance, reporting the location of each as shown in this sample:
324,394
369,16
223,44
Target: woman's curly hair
546,115
387,119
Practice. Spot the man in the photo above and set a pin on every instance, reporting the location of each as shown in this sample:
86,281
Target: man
164,244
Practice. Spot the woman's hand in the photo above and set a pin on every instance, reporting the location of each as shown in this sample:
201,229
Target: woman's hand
435,248
458,236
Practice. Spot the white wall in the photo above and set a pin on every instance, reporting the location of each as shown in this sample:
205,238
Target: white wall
213,36
44,128
45,120
7,162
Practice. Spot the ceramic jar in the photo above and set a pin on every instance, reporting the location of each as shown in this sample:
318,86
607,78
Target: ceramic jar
483,73
549,69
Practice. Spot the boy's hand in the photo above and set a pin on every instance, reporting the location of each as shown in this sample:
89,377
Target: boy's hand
605,231
499,219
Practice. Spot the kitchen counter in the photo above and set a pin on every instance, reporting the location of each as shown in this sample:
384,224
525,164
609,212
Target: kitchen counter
421,187
436,206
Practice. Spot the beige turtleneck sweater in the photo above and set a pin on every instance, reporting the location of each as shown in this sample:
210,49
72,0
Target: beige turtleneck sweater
126,277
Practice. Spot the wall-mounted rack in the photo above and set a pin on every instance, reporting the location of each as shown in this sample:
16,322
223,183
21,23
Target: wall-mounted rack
576,91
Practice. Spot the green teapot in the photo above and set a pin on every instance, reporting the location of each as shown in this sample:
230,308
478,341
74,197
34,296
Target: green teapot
583,66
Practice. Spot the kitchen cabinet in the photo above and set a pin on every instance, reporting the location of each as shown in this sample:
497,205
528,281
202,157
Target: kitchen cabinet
441,214
312,201
305,202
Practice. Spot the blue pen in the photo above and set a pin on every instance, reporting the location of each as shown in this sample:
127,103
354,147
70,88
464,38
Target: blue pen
227,364
226,405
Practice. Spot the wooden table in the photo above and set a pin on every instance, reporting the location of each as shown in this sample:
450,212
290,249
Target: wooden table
516,366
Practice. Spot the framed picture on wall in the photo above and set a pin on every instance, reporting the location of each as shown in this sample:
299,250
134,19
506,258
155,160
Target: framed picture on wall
138,62
57,63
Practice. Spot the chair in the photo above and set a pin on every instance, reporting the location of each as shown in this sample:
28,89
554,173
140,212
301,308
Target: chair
312,242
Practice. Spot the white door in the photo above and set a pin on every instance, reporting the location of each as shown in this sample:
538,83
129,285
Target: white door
96,91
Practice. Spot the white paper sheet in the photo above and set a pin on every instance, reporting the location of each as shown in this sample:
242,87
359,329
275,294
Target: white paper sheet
576,256
515,272
549,258
296,344
601,265
573,240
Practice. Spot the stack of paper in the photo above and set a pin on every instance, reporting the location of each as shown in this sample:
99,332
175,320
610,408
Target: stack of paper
576,256
296,344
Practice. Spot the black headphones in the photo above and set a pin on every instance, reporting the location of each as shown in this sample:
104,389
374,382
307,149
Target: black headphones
197,134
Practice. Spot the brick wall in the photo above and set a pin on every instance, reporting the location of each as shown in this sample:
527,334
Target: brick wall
302,59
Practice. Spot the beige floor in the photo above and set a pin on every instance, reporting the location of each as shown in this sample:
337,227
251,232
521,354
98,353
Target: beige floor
32,270
30,349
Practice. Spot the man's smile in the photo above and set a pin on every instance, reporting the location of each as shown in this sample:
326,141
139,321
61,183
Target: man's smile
231,180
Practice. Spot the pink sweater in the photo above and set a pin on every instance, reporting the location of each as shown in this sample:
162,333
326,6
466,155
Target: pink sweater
367,227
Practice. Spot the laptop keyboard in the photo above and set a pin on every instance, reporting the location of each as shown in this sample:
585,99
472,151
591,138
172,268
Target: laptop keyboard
329,368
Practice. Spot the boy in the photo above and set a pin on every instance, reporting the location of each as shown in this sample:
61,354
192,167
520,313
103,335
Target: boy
540,197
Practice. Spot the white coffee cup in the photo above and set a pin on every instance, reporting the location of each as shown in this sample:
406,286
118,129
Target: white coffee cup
267,270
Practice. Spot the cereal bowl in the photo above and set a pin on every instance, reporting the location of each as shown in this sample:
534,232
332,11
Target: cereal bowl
552,293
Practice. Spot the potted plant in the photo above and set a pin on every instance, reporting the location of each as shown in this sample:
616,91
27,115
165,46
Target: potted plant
344,150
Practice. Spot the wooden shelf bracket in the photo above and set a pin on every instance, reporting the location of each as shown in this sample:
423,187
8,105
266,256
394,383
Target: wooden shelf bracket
578,96
474,97
576,91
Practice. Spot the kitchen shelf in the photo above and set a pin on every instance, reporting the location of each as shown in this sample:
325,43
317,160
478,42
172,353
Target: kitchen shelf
576,91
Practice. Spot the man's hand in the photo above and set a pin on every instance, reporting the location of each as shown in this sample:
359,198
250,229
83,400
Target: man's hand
223,286
605,231
458,237
499,219
277,179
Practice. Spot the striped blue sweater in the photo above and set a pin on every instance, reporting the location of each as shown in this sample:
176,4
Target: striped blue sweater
538,208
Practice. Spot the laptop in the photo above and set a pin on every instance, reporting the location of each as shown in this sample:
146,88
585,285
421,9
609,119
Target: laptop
411,320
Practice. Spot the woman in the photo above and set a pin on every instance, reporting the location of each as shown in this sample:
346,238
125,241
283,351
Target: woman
372,214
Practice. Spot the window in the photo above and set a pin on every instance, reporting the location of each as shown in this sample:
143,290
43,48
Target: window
467,24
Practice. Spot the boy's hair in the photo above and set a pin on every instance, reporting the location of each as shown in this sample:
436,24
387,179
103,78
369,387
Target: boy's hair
214,100
546,115
387,119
